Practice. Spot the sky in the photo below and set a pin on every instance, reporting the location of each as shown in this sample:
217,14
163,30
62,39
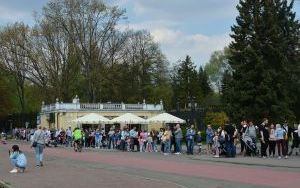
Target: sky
181,27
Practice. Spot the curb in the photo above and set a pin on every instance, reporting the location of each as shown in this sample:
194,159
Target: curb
4,184
247,164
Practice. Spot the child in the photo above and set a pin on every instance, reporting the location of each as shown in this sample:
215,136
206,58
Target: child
128,141
17,159
199,140
141,141
216,144
149,144
98,139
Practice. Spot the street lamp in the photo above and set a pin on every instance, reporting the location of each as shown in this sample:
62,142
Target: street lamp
10,120
192,105
177,106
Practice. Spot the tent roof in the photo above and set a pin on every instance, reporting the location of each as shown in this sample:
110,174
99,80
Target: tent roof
129,118
92,118
165,118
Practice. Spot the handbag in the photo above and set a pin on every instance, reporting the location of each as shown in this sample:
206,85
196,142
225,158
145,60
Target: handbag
34,144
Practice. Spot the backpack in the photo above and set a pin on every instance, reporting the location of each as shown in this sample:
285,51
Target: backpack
285,134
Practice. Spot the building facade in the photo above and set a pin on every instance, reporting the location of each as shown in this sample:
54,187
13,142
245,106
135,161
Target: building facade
63,115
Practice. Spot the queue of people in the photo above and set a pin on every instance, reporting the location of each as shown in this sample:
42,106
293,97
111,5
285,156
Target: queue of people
222,141
268,134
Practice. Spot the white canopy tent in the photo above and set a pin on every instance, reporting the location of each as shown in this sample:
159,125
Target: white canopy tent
92,118
165,118
129,118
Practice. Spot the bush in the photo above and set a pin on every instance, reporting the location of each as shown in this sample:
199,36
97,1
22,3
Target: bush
216,119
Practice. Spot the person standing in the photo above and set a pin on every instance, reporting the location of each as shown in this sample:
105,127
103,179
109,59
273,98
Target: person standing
69,137
216,145
209,138
133,135
98,139
279,135
264,138
111,138
178,138
190,134
39,138
286,135
160,138
242,133
166,138
295,138
272,141
154,136
124,136
229,139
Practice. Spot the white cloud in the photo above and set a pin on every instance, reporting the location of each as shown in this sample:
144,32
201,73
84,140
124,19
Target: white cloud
185,10
13,15
176,45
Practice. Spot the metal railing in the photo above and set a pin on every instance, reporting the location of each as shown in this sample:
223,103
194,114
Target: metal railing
64,107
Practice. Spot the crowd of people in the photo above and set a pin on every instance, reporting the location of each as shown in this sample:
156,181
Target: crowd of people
222,141
126,139
268,134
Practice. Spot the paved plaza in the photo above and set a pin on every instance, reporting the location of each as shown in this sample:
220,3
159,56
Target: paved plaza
65,168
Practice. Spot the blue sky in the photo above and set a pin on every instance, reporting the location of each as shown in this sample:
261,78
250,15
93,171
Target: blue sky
182,27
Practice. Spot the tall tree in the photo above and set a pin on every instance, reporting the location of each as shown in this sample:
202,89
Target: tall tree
13,57
89,24
185,83
204,82
216,67
265,61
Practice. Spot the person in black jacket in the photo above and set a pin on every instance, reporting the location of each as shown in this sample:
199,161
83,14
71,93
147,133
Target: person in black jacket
229,140
264,137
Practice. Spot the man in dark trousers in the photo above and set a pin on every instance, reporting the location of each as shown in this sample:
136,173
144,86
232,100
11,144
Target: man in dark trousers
264,137
229,140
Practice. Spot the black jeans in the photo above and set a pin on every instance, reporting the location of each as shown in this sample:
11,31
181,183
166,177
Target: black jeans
242,145
286,147
122,145
264,147
272,146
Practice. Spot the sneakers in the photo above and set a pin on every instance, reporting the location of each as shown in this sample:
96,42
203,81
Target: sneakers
177,153
216,156
41,163
279,157
21,170
286,157
13,171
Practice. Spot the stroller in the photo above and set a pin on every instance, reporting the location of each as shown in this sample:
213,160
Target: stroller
251,149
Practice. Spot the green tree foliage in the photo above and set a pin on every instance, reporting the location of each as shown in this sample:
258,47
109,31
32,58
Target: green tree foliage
13,57
204,82
6,97
189,86
216,67
265,61
216,119
76,48
186,85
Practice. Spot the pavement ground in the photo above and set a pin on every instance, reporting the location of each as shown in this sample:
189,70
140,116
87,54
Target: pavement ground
105,168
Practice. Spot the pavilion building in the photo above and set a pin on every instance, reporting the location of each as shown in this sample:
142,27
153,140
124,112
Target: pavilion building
63,115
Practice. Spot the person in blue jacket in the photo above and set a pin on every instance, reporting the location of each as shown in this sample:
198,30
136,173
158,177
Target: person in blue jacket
190,134
17,159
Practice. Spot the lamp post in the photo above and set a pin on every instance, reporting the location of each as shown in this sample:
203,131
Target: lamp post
177,106
193,106
10,120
